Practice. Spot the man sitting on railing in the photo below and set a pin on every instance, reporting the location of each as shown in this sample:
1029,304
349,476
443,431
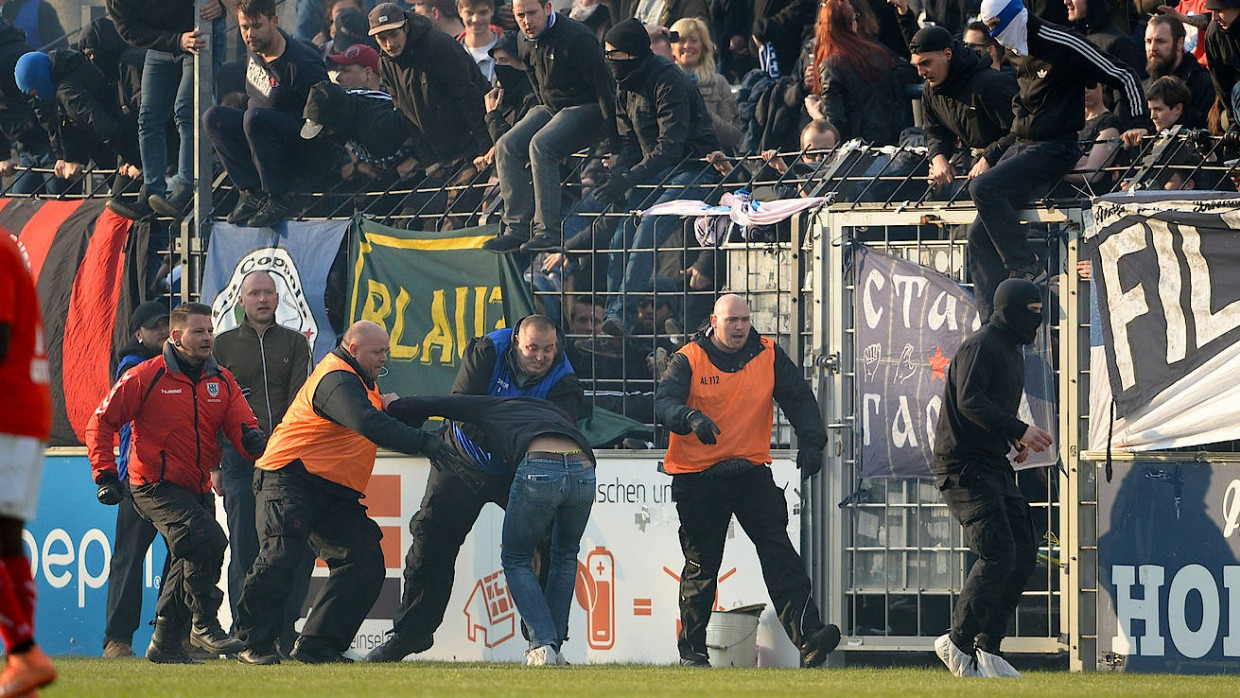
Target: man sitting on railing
261,147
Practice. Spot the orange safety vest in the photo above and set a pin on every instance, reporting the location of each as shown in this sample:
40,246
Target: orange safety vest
739,404
327,449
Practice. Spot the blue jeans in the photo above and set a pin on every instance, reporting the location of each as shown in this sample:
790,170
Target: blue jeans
633,248
547,493
167,91
998,242
541,139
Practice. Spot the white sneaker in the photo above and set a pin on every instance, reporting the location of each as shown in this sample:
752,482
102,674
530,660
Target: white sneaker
543,655
960,663
992,666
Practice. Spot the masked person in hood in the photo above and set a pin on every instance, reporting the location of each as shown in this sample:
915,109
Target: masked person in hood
976,428
512,96
566,67
1223,53
963,99
525,361
665,133
1053,64
24,141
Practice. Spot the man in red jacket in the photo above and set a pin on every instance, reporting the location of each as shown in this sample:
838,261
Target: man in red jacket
178,403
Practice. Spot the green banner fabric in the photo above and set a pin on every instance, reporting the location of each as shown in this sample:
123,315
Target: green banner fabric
433,292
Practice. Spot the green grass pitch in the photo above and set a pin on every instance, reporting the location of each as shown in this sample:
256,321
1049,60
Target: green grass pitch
84,678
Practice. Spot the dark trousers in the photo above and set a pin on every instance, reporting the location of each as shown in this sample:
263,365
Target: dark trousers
262,148
449,510
295,508
985,500
239,510
998,242
195,548
133,538
705,505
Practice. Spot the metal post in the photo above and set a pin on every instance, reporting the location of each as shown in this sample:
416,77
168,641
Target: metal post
196,228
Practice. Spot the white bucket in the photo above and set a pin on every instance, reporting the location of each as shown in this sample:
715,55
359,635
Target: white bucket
732,638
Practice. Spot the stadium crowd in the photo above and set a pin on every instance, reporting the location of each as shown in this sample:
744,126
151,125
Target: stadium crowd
557,120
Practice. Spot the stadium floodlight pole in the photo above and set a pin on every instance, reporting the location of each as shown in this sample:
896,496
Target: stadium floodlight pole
195,229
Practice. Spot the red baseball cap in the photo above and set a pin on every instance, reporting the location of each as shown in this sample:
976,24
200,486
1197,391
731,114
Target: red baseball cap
357,54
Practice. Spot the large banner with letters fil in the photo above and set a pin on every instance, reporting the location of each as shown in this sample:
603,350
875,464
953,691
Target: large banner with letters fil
1168,302
910,320
433,292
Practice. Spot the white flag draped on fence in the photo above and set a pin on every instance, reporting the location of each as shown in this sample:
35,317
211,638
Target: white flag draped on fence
1165,346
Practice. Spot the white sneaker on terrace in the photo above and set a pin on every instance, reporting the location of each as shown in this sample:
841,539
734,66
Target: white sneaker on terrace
993,666
960,663
543,655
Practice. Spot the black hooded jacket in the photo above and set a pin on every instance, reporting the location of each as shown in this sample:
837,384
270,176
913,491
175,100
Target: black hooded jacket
153,24
17,122
366,123
120,63
1051,103
985,381
85,113
973,104
1102,31
661,119
437,85
518,99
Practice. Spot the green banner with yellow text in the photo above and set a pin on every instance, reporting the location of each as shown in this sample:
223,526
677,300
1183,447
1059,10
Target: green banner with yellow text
433,292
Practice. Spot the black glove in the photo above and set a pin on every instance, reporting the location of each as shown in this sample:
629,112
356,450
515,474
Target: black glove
110,491
703,427
615,191
253,440
436,449
809,462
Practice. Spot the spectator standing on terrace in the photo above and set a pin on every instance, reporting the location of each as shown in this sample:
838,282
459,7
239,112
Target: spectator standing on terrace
861,83
25,423
479,36
527,360
1223,54
179,403
165,28
349,29
1052,66
976,428
436,85
663,13
780,27
134,534
716,398
39,20
442,14
963,100
1165,55
578,99
260,147
1093,19
694,52
978,38
308,486
595,14
270,363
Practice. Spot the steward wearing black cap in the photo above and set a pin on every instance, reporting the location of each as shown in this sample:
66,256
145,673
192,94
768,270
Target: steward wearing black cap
963,99
1223,52
976,428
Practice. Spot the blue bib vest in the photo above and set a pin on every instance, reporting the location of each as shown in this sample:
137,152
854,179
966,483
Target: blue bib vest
501,385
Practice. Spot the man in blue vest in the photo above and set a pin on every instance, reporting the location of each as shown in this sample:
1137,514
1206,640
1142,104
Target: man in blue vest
525,361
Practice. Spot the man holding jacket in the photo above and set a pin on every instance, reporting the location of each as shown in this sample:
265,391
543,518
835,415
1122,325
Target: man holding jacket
178,402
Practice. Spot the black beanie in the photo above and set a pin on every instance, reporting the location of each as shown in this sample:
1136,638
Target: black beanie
631,37
928,39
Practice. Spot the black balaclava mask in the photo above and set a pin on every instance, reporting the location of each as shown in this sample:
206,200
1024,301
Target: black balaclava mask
1012,313
631,37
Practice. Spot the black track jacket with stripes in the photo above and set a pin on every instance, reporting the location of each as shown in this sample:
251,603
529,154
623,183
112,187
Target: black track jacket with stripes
1052,78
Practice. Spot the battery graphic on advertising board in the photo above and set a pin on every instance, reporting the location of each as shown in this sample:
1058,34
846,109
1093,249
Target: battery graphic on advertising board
596,582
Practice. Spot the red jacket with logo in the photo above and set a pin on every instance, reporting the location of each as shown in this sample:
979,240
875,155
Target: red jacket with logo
175,422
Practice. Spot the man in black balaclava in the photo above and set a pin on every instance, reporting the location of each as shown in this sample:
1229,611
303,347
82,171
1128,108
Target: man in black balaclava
977,427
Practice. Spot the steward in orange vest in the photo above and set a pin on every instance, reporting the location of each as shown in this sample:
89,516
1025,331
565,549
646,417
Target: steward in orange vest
715,397
309,484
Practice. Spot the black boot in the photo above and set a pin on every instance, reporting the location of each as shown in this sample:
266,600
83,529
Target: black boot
166,644
176,205
212,638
